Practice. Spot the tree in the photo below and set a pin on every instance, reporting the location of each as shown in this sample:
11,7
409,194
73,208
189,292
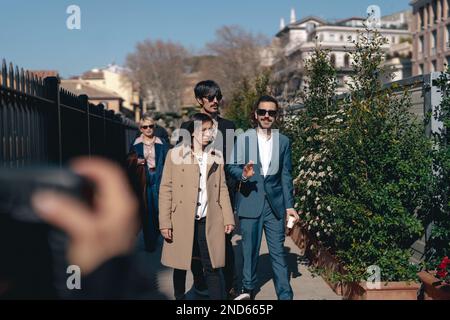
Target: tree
158,67
238,55
243,99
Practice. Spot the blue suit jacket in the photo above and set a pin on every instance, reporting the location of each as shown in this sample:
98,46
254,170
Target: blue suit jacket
277,185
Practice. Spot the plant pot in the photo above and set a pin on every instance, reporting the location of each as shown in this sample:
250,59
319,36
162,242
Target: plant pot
433,287
401,290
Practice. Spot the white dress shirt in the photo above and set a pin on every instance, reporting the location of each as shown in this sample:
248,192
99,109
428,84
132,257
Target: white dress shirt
265,145
202,199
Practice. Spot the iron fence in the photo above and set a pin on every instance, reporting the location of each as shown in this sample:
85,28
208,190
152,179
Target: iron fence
42,123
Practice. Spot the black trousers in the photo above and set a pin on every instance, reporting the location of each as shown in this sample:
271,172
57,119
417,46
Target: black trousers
213,279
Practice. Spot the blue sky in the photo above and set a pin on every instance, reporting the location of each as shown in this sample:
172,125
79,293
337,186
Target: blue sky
33,34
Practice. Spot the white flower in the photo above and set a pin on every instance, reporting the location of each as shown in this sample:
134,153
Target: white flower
317,198
303,198
309,227
320,167
308,192
296,205
302,158
319,184
313,164
329,208
321,174
318,207
328,168
318,234
309,139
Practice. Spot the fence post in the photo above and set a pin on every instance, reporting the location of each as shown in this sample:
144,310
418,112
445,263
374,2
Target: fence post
51,85
85,103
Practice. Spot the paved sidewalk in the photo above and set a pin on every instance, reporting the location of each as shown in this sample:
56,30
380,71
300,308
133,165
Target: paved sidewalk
304,285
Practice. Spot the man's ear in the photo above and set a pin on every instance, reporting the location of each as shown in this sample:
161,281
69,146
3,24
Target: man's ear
200,101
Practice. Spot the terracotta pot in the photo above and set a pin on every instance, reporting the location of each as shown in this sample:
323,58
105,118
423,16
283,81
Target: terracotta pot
387,291
433,287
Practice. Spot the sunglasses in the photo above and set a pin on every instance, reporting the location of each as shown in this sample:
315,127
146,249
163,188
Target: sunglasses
263,112
211,98
152,126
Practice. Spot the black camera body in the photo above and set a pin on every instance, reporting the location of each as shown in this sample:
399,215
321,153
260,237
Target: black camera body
32,253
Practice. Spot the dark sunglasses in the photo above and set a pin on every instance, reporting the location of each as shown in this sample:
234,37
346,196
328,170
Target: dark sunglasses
152,126
263,112
211,98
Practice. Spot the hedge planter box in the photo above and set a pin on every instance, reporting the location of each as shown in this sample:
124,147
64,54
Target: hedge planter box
387,291
322,259
433,287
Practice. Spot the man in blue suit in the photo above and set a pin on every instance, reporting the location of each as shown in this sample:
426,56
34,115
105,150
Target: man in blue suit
262,164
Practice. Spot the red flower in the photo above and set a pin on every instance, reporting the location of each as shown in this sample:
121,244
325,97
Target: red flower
442,274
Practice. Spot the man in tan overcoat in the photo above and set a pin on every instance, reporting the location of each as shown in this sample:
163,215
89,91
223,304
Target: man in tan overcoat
194,206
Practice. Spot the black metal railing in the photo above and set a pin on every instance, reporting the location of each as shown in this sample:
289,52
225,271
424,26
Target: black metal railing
42,123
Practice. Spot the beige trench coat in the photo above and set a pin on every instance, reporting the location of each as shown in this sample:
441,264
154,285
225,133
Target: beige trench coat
178,201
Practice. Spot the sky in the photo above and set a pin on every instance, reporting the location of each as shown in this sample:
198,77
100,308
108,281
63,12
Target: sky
34,35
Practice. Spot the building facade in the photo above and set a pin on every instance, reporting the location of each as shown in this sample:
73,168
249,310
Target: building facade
431,35
113,79
297,41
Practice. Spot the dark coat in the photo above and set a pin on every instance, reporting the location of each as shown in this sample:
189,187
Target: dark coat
147,194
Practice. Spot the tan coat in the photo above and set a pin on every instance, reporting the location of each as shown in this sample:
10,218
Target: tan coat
178,202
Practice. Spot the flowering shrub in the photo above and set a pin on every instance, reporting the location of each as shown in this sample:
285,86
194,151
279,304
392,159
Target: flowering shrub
439,242
364,166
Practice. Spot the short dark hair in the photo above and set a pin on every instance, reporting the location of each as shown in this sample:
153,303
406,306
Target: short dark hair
203,117
266,98
263,98
207,88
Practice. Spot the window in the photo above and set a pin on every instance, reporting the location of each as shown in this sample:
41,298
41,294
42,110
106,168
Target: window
393,40
433,66
347,60
333,60
341,38
433,42
421,44
332,37
422,18
447,39
447,62
421,68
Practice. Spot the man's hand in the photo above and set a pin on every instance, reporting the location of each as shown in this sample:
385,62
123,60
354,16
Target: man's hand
100,233
229,229
292,213
167,234
248,171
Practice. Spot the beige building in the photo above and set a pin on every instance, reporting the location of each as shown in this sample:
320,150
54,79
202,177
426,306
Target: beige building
97,95
431,35
113,79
